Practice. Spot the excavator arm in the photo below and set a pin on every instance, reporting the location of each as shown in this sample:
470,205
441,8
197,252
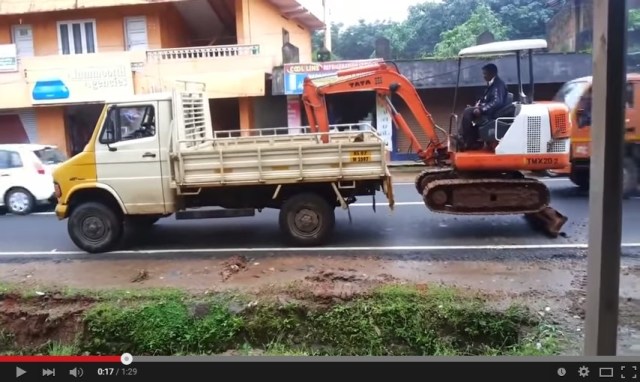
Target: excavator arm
385,81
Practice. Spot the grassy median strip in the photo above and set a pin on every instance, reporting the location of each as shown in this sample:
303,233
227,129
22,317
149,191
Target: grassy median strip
388,320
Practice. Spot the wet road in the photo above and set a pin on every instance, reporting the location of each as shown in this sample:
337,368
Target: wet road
410,226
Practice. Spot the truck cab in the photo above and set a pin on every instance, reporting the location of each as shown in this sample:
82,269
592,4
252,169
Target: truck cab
576,94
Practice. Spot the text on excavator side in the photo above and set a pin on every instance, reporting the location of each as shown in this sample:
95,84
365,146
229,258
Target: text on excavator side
357,84
542,161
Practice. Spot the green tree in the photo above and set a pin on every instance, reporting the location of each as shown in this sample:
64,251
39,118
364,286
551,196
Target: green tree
464,35
524,18
427,21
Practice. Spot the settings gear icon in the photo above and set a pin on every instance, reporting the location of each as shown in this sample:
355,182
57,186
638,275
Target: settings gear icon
583,371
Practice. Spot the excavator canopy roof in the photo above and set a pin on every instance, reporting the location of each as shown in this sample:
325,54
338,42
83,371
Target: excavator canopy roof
503,47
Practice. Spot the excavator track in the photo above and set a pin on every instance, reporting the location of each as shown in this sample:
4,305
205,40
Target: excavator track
444,193
431,174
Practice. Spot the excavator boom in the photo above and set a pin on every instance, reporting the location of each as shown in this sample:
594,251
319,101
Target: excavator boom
385,81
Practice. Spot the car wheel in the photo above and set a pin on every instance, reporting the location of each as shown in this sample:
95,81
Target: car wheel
19,201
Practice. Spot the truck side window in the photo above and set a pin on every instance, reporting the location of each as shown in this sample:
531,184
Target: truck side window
127,123
629,95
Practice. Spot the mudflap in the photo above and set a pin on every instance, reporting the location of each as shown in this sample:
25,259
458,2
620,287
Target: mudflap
387,189
547,220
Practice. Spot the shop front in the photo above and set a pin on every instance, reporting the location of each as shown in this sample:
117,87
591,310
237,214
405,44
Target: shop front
346,108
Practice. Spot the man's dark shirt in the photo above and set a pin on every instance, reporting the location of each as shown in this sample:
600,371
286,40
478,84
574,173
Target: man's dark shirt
495,97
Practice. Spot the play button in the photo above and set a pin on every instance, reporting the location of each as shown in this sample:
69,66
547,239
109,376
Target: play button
20,372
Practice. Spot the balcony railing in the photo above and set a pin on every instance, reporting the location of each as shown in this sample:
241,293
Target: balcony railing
203,52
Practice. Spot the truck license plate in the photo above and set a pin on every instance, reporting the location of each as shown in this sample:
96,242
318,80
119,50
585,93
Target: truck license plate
361,156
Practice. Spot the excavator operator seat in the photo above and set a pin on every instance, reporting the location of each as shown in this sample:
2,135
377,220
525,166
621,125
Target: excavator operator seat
501,122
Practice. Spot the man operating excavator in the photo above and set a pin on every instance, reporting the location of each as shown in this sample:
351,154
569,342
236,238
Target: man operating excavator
494,98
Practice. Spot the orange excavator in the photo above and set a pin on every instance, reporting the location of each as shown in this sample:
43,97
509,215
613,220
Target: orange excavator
523,136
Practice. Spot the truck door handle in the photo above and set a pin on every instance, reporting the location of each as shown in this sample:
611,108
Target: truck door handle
148,155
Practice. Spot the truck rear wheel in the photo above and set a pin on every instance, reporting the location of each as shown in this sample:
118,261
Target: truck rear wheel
95,228
307,219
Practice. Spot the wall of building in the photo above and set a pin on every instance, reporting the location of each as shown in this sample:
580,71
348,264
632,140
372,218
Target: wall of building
259,22
109,26
51,129
173,30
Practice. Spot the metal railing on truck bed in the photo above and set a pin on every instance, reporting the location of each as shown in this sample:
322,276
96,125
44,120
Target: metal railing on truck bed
281,159
204,158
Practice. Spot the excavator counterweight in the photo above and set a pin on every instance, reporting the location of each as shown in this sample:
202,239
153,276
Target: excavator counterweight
488,181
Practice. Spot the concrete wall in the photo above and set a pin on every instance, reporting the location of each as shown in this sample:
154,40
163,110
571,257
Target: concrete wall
549,68
439,102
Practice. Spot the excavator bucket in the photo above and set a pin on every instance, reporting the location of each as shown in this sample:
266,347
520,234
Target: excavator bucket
548,220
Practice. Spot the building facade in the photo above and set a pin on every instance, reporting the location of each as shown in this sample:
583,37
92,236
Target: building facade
60,61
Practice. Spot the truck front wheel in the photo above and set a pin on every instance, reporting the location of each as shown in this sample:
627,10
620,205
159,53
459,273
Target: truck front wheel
307,219
95,228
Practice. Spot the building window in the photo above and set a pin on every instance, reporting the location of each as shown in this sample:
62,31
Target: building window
77,37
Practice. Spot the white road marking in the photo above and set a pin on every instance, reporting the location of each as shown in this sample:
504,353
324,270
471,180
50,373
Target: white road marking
386,204
506,247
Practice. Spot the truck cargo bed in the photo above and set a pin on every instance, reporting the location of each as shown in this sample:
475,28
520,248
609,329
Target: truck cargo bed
203,158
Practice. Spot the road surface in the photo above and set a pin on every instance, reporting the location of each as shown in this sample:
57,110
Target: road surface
411,227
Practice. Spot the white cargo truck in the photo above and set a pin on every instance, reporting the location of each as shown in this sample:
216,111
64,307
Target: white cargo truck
157,155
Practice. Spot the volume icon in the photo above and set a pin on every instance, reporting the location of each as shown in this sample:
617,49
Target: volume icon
76,372
48,372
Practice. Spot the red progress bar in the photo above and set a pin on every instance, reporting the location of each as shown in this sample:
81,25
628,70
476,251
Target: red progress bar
46,358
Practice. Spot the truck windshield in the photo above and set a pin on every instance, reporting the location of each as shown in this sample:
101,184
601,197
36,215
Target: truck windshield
50,155
571,92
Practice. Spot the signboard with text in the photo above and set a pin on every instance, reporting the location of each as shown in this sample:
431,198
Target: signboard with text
8,58
384,124
91,83
294,74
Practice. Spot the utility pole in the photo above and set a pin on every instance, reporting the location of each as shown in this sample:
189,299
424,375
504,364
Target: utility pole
605,195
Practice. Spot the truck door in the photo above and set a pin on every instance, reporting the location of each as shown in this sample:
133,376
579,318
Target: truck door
128,157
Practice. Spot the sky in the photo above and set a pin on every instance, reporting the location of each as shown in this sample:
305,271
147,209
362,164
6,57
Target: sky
349,12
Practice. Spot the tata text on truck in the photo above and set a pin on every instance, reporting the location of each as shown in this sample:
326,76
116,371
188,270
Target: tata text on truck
155,156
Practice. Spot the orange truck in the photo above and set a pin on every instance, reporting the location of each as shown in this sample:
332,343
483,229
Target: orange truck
576,94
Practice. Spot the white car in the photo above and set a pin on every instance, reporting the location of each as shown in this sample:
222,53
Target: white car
26,176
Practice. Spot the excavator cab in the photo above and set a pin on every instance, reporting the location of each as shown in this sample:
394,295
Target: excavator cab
523,135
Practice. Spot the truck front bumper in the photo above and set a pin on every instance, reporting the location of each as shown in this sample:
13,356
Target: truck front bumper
61,211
